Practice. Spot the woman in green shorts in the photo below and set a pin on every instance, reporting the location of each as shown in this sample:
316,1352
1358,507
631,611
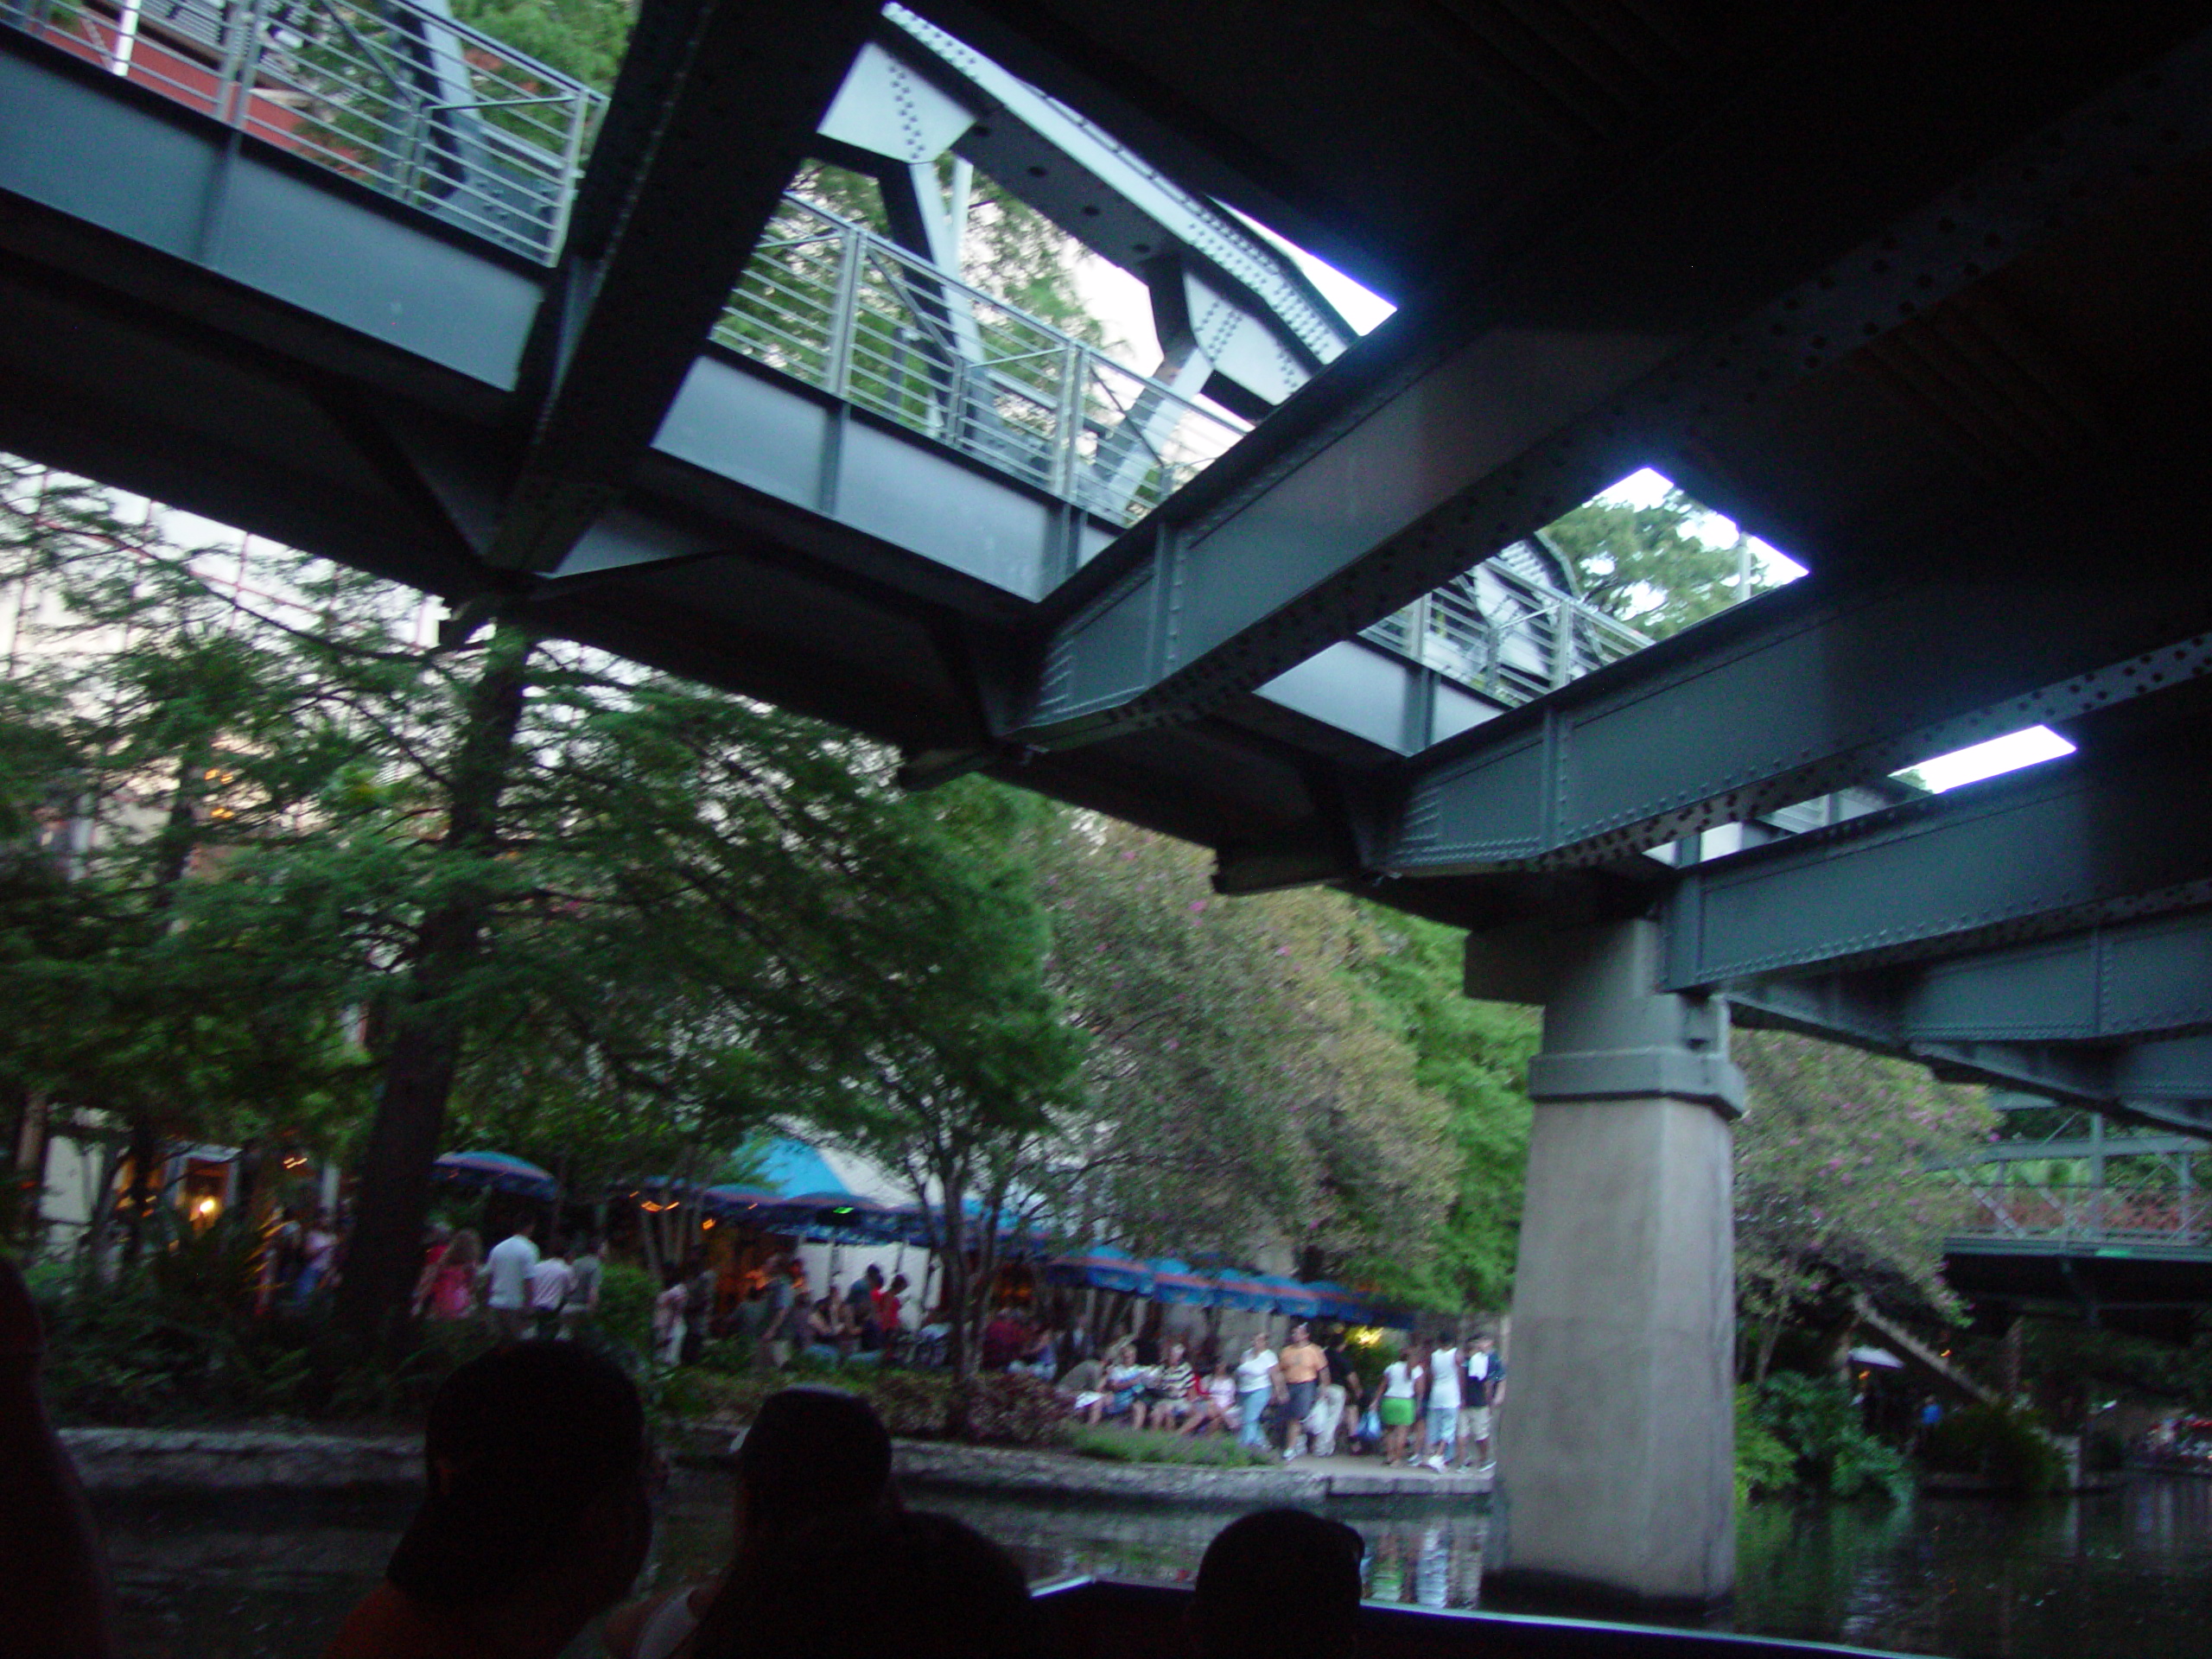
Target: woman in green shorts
1401,1381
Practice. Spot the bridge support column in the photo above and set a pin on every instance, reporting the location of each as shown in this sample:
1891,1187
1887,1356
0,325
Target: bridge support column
1617,1449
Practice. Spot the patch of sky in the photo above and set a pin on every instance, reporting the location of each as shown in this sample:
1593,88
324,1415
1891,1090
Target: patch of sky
2010,753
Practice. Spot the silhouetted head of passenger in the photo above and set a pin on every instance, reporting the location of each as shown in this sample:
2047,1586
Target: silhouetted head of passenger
1277,1581
535,1456
810,1452
889,1584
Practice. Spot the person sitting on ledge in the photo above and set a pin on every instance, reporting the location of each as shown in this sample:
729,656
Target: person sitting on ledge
811,1453
1279,1582
536,1521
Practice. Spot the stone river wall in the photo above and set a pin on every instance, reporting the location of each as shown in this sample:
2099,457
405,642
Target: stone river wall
168,1461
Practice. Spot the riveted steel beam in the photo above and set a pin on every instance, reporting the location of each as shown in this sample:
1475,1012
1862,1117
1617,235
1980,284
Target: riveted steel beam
1805,691
2066,846
1443,437
2167,1084
714,111
2126,980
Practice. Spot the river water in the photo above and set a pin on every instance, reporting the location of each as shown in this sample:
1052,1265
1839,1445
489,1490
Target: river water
2112,1575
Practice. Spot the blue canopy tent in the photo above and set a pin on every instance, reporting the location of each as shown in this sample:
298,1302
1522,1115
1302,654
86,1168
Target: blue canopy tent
1180,1284
495,1172
838,1217
792,1166
1241,1292
1101,1267
743,1203
1289,1296
916,1228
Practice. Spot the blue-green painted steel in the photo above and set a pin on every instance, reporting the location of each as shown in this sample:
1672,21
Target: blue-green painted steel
1797,694
2065,845
2167,1084
626,320
2114,984
1438,459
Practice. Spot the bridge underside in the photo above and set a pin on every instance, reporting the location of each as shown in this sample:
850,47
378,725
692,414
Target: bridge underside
1914,292
2089,1279
1963,384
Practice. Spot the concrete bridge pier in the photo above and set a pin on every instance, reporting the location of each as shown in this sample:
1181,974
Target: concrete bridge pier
1616,1448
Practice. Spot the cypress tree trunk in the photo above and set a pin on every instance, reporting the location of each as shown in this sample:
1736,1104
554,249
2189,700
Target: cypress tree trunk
383,1255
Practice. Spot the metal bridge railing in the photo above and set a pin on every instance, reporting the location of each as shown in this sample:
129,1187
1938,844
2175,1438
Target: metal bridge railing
1507,637
833,304
398,97
2085,1214
394,96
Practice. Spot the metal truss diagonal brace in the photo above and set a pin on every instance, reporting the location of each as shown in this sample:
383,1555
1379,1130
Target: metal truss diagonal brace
708,124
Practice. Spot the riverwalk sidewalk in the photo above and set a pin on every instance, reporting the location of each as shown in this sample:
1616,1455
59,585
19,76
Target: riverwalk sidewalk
286,1458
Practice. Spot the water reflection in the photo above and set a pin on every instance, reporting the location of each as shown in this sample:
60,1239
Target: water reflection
2110,1576
2117,1573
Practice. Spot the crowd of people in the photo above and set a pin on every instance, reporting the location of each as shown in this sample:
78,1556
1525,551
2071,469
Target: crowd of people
537,1518
1431,1406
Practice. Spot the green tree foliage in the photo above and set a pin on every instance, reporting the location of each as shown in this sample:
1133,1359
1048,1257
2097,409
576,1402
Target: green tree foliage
2001,1443
1831,1189
1245,1090
1648,567
502,891
1833,1455
653,913
1014,252
146,739
930,1041
1475,1056
581,38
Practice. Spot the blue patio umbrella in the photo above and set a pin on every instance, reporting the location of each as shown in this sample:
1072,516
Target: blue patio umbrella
498,1172
1177,1283
1337,1301
1240,1291
917,1227
1289,1296
1101,1267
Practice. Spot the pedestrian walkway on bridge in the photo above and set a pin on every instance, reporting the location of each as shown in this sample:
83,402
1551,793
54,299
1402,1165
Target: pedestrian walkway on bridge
367,282
2091,1219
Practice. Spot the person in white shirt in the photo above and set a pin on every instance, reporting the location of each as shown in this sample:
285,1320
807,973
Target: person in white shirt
1485,1391
1217,1403
1258,1376
549,1281
507,1277
1444,1375
1402,1382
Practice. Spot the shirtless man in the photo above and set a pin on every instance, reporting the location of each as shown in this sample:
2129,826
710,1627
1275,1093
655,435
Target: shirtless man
1304,1369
